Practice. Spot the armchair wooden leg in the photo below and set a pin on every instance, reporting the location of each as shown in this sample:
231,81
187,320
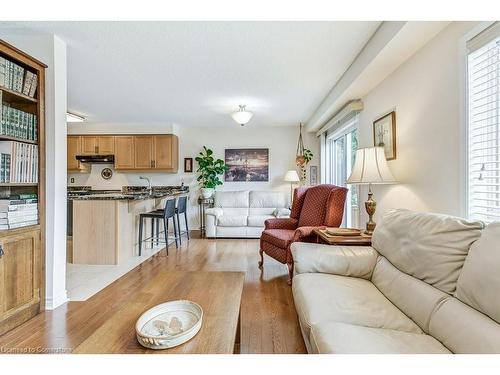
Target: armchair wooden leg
261,262
290,273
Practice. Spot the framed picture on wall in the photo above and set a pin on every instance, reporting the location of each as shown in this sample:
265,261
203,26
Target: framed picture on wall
313,176
247,164
384,134
188,165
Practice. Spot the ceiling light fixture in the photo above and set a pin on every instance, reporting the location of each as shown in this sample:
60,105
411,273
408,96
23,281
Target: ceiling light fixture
242,116
72,117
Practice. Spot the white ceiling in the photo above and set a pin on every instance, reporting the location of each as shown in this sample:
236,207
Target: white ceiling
196,73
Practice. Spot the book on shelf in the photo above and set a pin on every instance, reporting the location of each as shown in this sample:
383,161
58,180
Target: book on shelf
15,77
16,212
21,166
16,123
18,225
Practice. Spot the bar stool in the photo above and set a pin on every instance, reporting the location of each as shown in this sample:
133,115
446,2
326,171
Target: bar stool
182,209
156,216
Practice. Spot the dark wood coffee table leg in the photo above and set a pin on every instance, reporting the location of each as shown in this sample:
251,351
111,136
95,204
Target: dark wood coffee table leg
237,339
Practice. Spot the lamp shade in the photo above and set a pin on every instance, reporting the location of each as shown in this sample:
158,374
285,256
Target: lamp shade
371,167
242,116
292,176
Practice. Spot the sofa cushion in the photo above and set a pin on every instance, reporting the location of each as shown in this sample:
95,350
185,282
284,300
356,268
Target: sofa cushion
258,220
479,282
322,298
354,261
464,330
235,199
261,211
278,237
341,338
430,247
232,221
412,296
260,199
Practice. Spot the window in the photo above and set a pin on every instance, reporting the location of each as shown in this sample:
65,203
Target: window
483,65
341,146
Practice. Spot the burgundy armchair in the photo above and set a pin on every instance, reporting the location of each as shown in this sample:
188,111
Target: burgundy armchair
313,207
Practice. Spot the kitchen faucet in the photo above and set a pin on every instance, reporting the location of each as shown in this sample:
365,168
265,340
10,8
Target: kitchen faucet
150,189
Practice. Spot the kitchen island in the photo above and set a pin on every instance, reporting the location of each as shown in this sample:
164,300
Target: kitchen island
105,225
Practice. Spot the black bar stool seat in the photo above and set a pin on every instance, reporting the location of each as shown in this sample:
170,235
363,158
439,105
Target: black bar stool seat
156,216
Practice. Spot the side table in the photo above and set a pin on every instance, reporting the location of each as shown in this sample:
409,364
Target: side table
204,203
322,237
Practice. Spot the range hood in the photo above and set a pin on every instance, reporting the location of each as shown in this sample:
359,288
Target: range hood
108,159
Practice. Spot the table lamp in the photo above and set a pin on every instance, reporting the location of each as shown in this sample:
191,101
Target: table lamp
291,177
370,167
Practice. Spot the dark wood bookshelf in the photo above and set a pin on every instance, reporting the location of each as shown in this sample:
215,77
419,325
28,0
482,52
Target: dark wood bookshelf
8,138
16,97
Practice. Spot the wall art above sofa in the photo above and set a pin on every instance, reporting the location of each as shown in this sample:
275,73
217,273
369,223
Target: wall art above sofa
247,164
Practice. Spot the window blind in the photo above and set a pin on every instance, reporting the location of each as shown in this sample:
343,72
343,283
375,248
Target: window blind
483,67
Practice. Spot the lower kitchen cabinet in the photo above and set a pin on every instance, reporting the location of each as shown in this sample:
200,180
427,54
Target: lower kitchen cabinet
21,277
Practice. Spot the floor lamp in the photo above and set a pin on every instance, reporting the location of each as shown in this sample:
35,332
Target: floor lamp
291,177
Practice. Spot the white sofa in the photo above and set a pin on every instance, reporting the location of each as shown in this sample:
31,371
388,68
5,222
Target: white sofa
429,284
242,214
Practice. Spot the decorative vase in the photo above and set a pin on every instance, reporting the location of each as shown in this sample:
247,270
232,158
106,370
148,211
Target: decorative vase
207,192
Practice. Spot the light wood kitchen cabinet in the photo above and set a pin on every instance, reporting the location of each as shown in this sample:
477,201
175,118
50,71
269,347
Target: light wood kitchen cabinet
124,152
21,277
154,153
89,145
166,152
98,145
106,145
74,148
144,158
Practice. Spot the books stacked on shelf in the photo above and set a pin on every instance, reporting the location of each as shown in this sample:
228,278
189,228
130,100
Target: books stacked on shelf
19,162
18,211
16,78
17,123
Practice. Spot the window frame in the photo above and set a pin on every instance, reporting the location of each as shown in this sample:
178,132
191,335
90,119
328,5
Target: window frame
464,206
349,126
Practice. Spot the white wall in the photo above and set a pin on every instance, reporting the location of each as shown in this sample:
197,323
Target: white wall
281,141
52,51
427,94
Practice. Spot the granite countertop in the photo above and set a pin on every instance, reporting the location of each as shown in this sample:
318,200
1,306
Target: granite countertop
156,193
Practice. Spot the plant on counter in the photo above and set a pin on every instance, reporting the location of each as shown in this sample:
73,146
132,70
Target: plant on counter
209,169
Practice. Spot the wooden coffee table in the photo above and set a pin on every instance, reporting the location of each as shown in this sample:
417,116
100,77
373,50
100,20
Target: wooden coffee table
323,237
218,293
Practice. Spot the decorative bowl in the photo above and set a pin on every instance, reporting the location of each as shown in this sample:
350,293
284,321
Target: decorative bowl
169,324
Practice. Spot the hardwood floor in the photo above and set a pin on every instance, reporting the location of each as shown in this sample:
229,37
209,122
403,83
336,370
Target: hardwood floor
268,318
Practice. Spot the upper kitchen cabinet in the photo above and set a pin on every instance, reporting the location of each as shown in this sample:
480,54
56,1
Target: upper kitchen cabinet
106,145
97,145
124,152
74,148
144,151
166,152
153,153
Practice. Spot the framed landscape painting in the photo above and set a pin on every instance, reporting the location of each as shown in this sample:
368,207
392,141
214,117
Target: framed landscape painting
384,134
247,164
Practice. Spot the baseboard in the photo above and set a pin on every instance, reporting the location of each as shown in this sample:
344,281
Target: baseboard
53,303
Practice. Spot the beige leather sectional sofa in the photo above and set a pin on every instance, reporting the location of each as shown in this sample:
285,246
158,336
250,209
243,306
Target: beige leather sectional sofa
429,284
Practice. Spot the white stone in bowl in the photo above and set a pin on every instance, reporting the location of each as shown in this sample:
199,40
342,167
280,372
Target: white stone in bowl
169,324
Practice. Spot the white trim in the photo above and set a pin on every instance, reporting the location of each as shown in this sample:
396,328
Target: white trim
56,301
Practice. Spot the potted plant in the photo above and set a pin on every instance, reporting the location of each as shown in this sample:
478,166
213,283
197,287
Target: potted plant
302,164
209,169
